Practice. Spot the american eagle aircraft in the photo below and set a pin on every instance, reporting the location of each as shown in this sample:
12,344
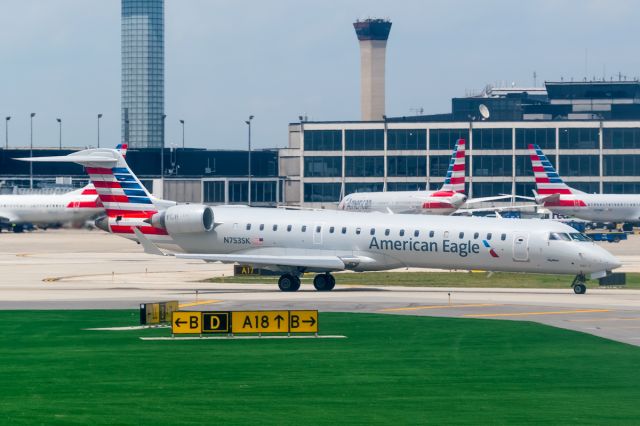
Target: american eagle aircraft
45,209
297,241
449,198
557,196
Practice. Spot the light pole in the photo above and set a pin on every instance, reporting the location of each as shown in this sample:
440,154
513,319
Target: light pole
164,116
248,122
33,114
182,122
99,117
6,131
59,120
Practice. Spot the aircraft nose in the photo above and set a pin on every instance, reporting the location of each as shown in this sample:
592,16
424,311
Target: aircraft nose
605,260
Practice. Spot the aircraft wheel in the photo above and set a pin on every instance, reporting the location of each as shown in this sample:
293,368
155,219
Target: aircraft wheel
332,282
580,289
321,282
288,282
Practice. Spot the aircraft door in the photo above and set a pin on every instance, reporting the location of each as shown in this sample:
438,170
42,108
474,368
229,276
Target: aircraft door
317,233
521,248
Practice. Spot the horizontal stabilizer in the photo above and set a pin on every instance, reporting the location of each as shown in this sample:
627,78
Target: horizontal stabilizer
147,245
85,160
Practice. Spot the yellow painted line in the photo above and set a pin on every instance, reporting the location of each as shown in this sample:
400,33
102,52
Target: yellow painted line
203,302
524,314
417,308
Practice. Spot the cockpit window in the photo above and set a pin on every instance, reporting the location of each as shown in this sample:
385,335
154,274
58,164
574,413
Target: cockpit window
559,236
577,236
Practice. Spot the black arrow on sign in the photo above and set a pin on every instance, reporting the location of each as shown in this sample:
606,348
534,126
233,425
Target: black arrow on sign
311,321
279,319
178,322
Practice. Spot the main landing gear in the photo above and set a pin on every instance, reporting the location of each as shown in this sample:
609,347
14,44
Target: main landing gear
578,284
322,282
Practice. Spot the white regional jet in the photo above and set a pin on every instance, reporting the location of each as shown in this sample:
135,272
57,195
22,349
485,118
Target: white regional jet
449,198
555,195
297,241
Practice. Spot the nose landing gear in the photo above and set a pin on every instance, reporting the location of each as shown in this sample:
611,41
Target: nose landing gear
578,284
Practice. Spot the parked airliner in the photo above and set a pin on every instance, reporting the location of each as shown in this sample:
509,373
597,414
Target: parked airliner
449,198
558,197
297,241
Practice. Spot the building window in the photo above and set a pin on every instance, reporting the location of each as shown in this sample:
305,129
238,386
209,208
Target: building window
544,138
364,140
490,189
213,191
352,187
321,192
406,139
439,164
406,166
446,138
406,186
323,166
621,165
523,188
492,165
578,138
364,166
238,191
263,191
588,187
579,165
621,187
621,138
323,140
492,139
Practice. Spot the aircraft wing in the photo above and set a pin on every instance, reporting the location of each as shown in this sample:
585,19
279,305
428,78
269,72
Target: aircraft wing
493,209
333,263
487,199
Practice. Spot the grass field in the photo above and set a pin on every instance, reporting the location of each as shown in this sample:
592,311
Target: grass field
438,279
390,370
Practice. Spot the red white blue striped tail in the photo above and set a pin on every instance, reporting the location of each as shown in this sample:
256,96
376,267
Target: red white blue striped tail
455,179
547,179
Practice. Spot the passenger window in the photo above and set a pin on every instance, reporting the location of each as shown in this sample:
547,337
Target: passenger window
275,227
489,236
344,230
304,228
446,234
416,233
262,226
248,227
289,228
357,231
386,232
503,237
461,235
331,229
475,236
431,234
402,232
318,228
372,231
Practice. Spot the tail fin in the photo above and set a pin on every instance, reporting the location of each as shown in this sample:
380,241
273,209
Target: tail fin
455,179
122,149
547,179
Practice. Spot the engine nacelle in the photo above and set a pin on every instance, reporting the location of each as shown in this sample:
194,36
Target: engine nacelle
185,219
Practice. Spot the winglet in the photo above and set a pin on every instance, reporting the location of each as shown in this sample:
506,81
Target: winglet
147,245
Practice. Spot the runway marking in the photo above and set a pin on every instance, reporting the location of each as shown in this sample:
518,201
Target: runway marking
523,314
417,308
203,302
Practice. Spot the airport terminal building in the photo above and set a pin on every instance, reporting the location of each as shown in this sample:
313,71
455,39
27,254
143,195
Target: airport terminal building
589,130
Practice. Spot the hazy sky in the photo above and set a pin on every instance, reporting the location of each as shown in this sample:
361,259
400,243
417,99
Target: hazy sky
277,59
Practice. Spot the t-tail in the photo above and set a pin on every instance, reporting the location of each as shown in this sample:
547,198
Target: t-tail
126,201
454,181
548,182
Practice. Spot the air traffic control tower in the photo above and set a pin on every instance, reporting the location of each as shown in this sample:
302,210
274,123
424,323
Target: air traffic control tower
373,35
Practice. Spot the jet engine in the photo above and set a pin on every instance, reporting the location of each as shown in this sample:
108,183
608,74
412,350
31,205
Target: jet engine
184,219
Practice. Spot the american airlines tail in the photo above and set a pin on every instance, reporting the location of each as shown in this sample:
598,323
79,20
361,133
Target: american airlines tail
126,201
548,182
455,178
